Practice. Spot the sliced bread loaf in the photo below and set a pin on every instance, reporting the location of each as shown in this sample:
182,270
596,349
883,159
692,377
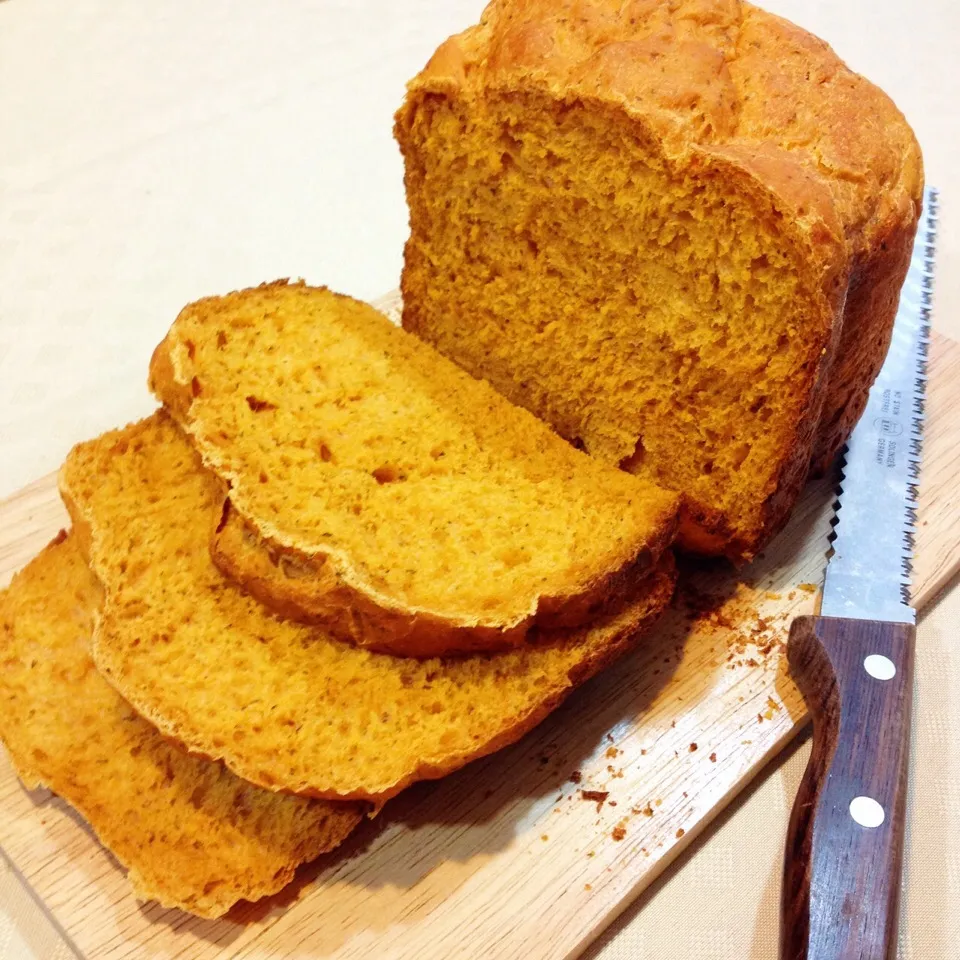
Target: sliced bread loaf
191,834
675,231
405,505
281,703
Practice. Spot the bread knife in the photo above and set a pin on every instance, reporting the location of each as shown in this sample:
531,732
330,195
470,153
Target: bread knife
854,665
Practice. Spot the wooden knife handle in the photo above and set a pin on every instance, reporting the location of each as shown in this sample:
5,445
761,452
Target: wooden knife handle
841,879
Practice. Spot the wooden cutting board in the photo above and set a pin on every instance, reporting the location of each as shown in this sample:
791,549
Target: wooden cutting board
532,852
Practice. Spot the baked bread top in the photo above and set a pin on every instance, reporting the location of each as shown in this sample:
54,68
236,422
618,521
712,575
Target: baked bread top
282,704
722,77
404,505
191,834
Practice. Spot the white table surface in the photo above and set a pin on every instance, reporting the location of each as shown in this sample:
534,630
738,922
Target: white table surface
152,153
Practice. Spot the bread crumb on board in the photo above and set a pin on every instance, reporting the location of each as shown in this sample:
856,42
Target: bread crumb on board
597,796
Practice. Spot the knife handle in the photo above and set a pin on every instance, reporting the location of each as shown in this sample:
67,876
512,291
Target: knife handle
841,879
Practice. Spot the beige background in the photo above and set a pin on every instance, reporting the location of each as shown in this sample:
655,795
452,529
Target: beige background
153,153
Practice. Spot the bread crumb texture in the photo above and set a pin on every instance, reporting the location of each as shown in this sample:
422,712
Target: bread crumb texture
674,229
283,704
190,833
367,473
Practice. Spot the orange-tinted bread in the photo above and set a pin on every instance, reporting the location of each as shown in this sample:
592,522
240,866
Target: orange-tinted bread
674,230
395,499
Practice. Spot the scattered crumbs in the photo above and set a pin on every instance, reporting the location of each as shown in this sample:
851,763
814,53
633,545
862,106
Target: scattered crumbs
741,699
576,776
544,837
619,831
643,752
648,811
613,752
693,748
610,737
773,705
713,759
746,743
587,886
675,754
612,803
645,851
759,718
591,853
685,794
673,723
753,663
657,803
792,595
680,833
558,798
807,587
596,796
770,595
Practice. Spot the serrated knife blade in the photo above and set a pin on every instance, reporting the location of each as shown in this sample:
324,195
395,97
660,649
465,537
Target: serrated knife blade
868,575
854,665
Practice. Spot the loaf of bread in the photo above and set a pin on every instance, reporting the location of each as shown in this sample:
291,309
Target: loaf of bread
395,500
191,834
281,703
674,230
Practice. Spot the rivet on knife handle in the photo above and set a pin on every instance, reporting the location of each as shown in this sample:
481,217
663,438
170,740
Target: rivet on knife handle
841,884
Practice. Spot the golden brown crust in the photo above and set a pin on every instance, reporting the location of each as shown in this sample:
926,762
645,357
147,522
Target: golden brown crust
720,81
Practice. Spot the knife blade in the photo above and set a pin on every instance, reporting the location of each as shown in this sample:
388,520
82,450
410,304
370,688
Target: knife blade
854,664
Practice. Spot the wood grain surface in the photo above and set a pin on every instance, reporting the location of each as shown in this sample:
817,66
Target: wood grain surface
533,851
841,882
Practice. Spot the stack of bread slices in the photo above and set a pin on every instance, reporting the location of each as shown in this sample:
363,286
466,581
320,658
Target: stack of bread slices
335,562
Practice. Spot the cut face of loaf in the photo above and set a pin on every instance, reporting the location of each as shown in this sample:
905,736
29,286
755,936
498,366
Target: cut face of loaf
675,231
191,834
390,496
284,705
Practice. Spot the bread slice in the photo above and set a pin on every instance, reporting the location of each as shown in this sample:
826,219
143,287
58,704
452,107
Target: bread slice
191,834
385,482
281,703
675,231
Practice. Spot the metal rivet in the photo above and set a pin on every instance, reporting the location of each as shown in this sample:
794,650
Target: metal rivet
880,667
866,811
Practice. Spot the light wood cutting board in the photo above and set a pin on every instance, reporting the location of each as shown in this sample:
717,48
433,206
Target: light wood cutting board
508,858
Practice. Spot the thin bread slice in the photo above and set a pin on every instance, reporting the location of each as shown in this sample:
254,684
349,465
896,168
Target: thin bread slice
191,834
384,480
281,703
